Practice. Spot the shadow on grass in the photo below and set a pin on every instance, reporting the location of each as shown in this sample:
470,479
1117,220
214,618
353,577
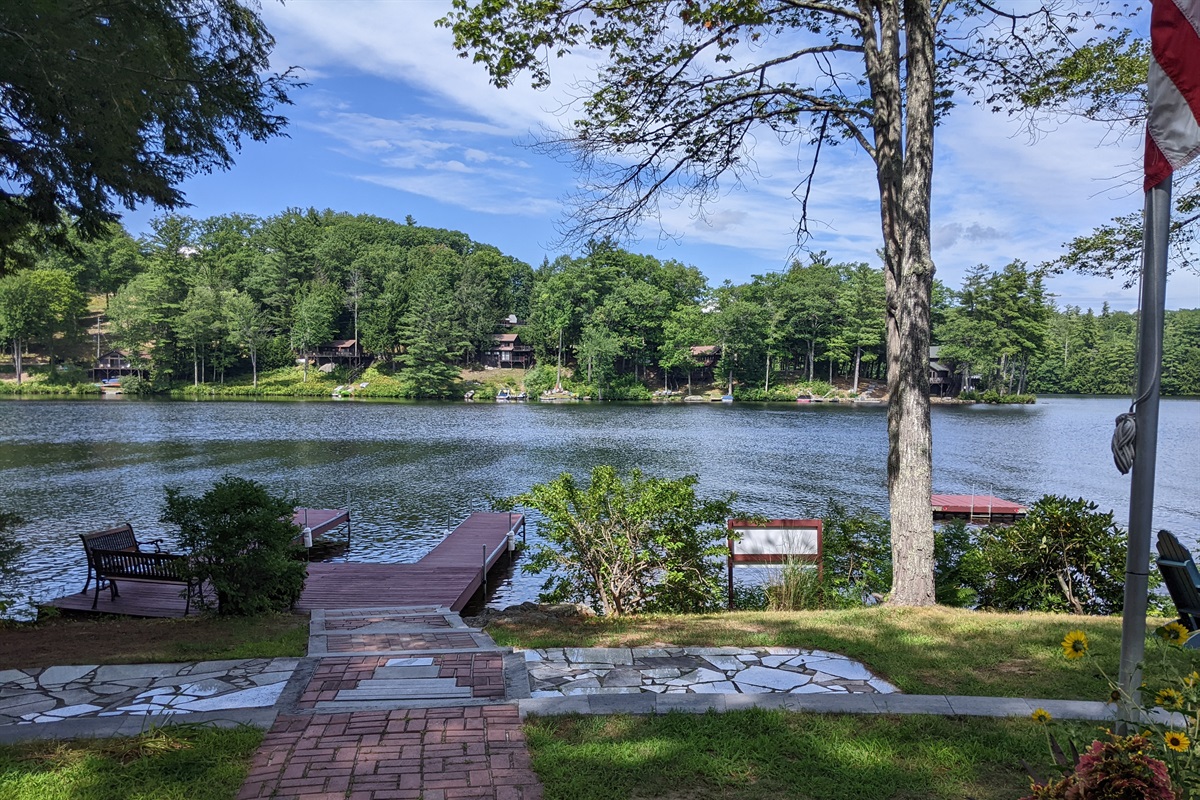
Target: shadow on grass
758,753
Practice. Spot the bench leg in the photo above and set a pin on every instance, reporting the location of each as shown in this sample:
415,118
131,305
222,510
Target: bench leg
88,581
112,586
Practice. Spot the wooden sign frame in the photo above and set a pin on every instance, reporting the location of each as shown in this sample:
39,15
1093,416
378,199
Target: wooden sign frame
769,551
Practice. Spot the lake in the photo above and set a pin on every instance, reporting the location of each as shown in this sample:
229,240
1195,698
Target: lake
410,470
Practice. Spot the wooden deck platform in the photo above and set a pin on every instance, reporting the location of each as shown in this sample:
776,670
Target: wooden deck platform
449,575
978,508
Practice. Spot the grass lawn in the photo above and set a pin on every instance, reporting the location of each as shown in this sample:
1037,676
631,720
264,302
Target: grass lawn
747,755
188,762
921,651
123,640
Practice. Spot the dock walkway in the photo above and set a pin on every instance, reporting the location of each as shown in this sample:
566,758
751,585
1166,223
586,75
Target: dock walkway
447,576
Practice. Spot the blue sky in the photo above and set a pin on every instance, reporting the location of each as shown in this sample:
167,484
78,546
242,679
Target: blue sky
394,123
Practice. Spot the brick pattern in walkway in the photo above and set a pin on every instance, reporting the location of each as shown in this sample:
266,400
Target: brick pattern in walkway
482,673
475,752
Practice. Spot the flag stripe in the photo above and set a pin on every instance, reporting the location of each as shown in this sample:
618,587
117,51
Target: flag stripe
1173,125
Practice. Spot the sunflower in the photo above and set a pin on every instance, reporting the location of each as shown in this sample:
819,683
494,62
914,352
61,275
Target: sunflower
1114,696
1040,715
1169,698
1192,681
1075,645
1173,633
1177,740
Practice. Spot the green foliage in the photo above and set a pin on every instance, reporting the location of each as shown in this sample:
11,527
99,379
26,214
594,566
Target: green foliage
857,556
1065,555
996,398
539,379
626,546
795,586
241,539
10,553
113,104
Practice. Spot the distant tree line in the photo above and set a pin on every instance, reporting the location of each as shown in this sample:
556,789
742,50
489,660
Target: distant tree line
232,295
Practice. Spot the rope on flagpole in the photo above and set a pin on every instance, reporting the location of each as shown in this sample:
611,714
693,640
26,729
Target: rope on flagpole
1122,442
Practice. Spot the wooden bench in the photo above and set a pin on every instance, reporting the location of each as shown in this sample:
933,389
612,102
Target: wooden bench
118,538
134,565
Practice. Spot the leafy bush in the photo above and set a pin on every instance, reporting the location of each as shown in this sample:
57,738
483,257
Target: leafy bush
996,398
10,553
648,544
1063,556
856,556
241,540
132,384
539,379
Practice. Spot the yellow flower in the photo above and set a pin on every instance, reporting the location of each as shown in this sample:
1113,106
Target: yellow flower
1174,633
1177,740
1169,698
1191,681
1075,645
1040,715
1114,696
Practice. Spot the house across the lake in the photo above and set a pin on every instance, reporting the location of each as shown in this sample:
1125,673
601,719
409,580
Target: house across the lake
118,364
508,350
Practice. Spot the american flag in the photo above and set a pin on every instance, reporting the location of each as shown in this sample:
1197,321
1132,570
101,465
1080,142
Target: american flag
1173,127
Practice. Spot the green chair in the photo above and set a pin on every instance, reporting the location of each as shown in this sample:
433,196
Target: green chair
1179,573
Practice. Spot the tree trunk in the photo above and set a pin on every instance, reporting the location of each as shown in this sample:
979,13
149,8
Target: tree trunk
16,344
558,371
905,181
857,362
767,382
811,360
254,366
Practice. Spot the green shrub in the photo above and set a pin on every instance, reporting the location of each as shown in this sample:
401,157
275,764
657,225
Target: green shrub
648,544
539,379
242,542
132,384
1063,556
856,556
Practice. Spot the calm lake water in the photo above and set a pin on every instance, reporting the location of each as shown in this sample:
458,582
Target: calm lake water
408,470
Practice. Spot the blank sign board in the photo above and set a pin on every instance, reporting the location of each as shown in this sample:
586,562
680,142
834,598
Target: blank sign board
773,541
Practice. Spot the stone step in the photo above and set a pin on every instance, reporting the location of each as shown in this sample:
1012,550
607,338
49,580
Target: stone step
405,673
395,694
416,685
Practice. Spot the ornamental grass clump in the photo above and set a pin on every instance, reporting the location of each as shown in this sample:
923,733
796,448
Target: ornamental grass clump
1160,763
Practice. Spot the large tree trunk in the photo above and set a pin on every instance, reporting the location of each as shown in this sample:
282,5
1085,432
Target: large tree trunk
905,181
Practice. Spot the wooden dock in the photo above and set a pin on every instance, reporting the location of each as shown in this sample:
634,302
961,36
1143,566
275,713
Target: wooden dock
981,509
449,575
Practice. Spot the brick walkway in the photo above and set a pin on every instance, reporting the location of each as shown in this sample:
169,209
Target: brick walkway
409,754
427,720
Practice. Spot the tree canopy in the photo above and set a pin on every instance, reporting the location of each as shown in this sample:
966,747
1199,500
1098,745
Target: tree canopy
107,103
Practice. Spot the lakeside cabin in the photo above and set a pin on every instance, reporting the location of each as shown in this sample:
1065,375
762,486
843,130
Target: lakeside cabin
115,364
508,351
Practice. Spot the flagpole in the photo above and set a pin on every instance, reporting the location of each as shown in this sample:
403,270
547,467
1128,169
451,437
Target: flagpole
1141,492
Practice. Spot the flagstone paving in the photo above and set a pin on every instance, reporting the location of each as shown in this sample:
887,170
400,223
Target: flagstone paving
568,672
55,694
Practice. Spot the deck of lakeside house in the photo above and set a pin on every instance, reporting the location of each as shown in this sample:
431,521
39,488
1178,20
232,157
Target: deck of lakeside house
449,575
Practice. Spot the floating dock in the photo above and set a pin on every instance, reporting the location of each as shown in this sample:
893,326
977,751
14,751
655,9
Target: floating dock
448,576
981,509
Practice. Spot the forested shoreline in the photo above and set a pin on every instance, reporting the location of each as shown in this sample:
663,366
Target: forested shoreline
220,301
